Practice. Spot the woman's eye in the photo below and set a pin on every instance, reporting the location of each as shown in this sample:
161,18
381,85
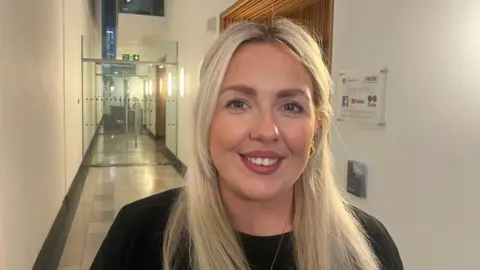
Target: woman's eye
237,105
292,107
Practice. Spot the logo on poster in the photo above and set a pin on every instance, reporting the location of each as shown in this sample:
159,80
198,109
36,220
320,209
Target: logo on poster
345,101
372,101
358,101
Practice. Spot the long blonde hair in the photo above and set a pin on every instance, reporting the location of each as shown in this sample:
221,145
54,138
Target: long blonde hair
326,235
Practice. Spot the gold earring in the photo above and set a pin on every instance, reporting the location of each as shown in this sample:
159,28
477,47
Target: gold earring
312,149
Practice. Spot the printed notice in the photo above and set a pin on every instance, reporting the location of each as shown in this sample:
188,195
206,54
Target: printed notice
362,97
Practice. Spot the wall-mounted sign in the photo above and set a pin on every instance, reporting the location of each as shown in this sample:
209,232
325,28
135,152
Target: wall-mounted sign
357,179
130,57
362,96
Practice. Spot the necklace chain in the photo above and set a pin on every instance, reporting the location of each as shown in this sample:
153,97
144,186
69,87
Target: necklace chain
279,245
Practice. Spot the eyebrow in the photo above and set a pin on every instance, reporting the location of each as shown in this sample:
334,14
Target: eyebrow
250,91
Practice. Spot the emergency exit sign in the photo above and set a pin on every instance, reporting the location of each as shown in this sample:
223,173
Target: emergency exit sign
130,57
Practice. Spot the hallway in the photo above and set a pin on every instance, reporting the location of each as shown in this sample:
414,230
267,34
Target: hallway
128,149
100,113
105,192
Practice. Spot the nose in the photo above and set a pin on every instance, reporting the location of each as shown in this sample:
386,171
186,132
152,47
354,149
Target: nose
265,128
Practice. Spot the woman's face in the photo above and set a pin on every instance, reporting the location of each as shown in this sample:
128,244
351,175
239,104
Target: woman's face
264,122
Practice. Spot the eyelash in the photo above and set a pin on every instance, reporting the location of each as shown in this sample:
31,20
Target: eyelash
229,104
233,101
297,105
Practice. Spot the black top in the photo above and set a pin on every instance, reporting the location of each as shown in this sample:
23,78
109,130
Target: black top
135,240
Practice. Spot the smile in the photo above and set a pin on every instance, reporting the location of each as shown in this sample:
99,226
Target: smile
262,161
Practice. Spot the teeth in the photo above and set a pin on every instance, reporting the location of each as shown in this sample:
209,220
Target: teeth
263,161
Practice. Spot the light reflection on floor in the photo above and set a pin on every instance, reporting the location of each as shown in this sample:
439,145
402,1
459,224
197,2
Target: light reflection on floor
128,149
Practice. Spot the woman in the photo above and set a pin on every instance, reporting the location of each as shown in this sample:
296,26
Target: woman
259,190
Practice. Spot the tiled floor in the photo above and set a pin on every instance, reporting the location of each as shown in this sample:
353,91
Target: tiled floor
106,190
128,149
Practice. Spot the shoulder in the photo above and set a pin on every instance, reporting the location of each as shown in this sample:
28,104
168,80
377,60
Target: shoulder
149,215
136,235
382,243
158,203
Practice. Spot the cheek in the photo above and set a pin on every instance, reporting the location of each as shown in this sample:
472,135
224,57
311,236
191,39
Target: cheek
226,133
298,138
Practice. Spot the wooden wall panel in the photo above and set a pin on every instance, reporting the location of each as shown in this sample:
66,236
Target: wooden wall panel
315,15
318,18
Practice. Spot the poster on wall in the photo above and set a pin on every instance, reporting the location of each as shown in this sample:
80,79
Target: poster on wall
362,96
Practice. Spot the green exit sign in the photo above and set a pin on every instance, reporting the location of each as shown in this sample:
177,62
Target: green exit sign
130,57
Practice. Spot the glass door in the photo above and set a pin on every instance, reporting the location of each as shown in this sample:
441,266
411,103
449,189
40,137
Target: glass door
125,114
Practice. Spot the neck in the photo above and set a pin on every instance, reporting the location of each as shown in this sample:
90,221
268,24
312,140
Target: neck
260,218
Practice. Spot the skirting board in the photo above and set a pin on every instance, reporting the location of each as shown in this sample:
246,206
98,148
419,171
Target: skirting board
49,256
179,166
51,252
150,133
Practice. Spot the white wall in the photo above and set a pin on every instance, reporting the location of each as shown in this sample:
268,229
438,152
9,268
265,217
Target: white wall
92,85
35,120
143,35
133,27
92,106
78,23
188,26
423,179
33,179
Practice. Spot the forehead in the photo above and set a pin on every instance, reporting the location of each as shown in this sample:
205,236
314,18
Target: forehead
266,66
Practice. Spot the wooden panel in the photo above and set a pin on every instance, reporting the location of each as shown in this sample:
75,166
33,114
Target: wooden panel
315,15
318,19
244,10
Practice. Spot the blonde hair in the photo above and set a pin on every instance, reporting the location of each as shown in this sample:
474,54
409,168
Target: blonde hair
326,235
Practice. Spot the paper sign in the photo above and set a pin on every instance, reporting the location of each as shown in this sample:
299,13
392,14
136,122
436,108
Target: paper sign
362,97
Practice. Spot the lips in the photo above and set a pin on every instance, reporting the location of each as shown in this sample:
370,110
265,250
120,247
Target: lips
262,162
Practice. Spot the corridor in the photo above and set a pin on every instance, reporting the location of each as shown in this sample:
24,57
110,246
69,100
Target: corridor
105,192
97,111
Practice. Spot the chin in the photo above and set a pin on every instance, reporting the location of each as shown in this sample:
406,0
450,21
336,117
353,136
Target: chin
258,191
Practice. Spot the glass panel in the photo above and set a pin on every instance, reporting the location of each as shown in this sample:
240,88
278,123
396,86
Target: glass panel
144,7
129,112
130,107
171,97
